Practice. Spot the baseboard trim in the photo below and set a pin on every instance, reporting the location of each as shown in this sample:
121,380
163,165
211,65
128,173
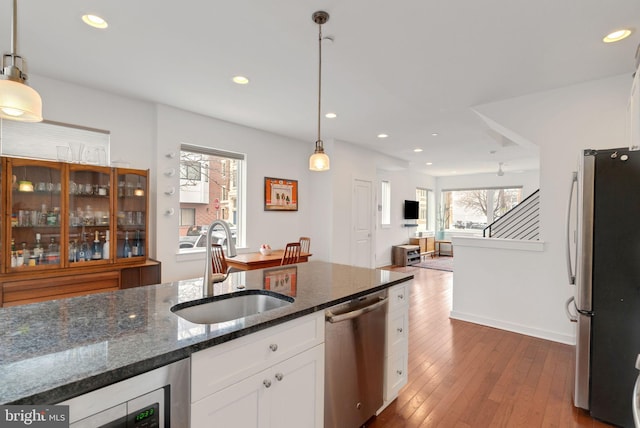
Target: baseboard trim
516,328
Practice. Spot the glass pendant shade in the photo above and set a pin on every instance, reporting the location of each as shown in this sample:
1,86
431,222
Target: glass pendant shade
319,161
19,102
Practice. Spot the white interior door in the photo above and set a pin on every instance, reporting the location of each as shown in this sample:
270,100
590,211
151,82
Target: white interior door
361,240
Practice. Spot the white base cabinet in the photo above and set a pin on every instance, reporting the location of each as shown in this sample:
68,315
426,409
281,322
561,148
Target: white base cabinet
397,342
282,386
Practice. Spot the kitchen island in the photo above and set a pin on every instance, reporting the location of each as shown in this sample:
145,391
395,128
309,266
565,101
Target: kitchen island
55,350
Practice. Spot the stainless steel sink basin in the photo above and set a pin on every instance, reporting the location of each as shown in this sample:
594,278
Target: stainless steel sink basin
228,307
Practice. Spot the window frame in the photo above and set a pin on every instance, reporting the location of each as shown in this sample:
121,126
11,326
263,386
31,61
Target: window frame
385,204
236,176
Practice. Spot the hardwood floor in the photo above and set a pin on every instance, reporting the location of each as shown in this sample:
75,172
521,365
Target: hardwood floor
467,375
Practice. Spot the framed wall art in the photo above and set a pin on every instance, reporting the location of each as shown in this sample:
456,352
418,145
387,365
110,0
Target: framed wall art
280,194
282,280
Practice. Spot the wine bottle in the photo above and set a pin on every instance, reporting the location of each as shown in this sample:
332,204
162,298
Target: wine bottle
126,249
105,246
96,253
137,245
38,251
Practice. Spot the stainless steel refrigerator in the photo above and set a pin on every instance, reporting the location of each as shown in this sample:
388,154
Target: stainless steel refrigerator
605,270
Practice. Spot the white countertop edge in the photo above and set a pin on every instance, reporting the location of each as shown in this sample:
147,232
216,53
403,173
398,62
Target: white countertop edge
497,243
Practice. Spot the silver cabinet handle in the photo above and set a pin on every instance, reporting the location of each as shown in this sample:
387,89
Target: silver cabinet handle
279,376
273,347
266,383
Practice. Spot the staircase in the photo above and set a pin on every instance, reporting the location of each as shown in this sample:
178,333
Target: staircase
520,222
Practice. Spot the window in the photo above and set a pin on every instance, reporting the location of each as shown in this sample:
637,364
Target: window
423,196
211,188
187,216
385,204
474,209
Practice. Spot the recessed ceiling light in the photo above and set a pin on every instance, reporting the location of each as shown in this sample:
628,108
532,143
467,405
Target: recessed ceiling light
382,135
330,115
429,163
434,134
418,150
240,80
94,21
617,35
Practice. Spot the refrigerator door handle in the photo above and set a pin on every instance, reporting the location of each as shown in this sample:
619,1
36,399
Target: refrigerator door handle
572,317
571,264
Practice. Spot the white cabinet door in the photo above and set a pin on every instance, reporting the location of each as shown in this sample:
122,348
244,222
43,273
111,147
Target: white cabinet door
298,391
289,394
241,405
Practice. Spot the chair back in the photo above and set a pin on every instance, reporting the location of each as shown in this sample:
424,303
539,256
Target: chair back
291,253
218,261
305,244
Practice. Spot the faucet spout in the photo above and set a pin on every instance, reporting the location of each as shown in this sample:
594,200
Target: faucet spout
231,252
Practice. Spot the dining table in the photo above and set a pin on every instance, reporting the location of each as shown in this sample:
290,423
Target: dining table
256,260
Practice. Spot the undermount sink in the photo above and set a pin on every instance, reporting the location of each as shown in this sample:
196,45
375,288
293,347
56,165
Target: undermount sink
228,307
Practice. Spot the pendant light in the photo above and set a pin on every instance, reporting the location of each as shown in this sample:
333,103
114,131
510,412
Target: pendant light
17,100
319,161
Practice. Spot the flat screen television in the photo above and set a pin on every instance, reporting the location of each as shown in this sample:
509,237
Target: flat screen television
411,210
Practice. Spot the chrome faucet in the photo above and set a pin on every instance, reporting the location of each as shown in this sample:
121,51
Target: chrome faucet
208,270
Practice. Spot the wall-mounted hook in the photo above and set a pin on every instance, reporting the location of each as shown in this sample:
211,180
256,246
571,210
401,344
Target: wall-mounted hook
170,172
171,155
170,211
170,191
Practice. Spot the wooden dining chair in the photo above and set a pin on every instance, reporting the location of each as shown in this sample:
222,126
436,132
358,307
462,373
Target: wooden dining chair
291,253
218,260
305,244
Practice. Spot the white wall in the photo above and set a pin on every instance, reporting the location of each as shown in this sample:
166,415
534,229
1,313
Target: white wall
267,155
562,123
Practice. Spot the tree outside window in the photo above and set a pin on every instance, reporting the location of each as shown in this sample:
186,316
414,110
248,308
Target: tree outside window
474,209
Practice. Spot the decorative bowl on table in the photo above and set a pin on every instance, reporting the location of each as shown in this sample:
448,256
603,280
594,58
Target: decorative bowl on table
265,250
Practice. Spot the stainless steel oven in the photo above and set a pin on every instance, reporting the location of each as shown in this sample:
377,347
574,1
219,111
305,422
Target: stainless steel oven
155,399
354,360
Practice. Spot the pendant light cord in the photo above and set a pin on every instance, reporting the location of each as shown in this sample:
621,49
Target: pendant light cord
319,141
14,27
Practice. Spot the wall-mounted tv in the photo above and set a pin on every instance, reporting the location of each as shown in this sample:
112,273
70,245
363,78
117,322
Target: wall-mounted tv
411,210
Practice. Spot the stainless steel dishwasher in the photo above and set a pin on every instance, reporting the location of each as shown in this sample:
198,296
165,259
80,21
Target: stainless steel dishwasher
354,353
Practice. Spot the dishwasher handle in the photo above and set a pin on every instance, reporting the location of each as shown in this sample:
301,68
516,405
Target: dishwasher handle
354,314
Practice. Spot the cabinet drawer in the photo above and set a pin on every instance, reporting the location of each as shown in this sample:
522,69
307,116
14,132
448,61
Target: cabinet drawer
397,329
399,296
222,365
396,376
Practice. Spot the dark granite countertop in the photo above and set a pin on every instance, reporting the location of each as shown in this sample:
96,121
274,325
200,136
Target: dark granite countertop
55,350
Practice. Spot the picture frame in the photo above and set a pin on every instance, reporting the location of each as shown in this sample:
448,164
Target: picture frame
280,194
282,280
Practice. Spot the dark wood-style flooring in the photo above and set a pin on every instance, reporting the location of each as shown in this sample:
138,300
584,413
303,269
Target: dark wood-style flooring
465,375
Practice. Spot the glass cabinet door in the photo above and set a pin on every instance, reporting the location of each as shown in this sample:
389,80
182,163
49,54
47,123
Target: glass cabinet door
131,214
35,201
89,215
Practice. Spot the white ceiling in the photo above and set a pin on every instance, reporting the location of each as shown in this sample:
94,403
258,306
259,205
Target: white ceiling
408,68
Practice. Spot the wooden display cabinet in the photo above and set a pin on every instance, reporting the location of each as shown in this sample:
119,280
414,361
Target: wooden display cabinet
55,220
